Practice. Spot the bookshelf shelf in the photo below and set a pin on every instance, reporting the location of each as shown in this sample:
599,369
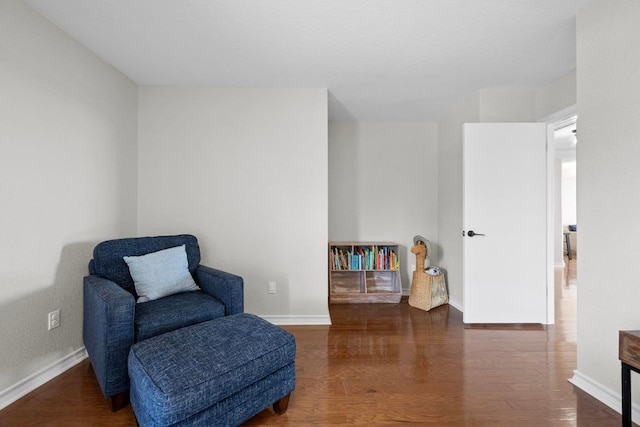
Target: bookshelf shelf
364,272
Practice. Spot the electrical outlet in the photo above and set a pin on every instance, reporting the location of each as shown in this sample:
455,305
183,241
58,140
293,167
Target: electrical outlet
54,319
272,287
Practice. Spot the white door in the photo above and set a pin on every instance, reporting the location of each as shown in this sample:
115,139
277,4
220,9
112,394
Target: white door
505,223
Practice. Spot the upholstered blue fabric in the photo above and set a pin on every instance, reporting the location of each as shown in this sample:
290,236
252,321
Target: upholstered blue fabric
173,312
108,261
224,286
111,323
220,372
241,406
108,331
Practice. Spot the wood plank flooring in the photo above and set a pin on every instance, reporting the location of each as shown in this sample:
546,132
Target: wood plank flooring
391,364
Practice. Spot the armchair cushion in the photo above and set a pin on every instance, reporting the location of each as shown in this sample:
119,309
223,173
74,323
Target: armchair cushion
161,273
108,257
174,312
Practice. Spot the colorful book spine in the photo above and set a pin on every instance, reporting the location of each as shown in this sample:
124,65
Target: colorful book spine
364,258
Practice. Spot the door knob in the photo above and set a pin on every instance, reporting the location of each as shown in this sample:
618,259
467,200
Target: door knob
472,233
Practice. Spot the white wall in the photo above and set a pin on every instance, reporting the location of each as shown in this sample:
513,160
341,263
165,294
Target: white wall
245,170
556,96
507,105
67,180
569,213
383,185
608,180
569,204
558,257
450,193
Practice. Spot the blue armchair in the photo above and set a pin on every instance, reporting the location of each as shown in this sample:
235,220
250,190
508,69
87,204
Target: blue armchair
113,321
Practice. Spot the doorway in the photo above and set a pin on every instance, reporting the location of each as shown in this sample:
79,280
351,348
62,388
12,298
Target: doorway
563,122
565,217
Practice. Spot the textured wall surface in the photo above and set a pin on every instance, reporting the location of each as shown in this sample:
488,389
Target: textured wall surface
246,171
450,192
67,180
608,181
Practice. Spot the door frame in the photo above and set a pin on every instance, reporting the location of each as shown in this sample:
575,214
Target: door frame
552,120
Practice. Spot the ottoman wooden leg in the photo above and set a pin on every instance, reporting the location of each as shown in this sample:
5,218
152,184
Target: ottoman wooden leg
280,407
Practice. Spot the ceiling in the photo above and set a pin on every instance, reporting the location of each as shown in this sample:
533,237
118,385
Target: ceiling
391,60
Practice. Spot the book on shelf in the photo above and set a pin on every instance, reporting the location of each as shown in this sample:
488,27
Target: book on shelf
358,257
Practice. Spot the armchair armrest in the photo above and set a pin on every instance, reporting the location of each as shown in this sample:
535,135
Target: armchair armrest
224,286
107,331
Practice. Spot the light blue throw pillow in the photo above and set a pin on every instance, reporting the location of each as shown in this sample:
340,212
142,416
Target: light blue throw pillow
159,274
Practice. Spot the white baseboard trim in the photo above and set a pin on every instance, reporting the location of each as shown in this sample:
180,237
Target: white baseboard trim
32,382
297,320
456,304
603,394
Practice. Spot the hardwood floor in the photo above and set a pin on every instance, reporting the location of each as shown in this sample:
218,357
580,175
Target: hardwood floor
391,364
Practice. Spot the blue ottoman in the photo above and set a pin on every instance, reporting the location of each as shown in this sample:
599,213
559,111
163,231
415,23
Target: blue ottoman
216,373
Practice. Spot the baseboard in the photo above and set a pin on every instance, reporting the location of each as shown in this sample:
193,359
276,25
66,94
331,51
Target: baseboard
603,394
27,385
297,320
318,319
456,304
